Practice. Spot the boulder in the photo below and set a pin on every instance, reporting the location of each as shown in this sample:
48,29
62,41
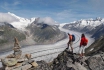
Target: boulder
9,61
34,64
95,63
16,67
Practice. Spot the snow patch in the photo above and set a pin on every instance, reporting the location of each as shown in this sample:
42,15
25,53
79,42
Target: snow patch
91,49
61,25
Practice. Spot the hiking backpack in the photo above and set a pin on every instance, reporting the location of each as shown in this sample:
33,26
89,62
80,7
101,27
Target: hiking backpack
85,41
73,37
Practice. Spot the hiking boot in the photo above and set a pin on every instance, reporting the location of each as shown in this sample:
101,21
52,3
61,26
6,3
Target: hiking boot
72,51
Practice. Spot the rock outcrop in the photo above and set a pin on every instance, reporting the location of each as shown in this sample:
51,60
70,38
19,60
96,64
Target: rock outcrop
69,61
96,62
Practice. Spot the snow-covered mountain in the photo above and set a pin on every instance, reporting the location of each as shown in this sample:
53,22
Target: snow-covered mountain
90,22
22,23
87,26
34,30
45,32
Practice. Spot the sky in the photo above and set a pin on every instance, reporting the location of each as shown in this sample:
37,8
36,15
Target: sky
61,11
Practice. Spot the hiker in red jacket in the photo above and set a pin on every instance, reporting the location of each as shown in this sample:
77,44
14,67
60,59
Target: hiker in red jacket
83,44
70,42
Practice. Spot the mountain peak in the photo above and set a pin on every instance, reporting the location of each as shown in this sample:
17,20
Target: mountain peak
20,18
22,23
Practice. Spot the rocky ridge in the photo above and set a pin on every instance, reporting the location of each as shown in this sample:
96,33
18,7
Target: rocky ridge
66,60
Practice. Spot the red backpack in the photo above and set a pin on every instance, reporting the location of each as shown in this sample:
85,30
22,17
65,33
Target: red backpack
85,41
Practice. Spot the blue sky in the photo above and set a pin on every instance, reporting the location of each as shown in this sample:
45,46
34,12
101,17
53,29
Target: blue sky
62,11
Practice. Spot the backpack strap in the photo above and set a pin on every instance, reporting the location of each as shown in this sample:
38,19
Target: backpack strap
70,37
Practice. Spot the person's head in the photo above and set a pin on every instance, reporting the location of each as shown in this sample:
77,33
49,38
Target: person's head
68,34
82,35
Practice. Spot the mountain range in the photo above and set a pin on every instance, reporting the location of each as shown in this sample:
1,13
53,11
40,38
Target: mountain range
95,27
41,31
89,26
29,31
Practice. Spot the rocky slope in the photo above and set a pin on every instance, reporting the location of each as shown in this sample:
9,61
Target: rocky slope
94,59
44,33
96,47
7,33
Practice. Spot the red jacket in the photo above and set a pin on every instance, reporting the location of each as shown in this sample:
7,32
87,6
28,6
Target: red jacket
82,42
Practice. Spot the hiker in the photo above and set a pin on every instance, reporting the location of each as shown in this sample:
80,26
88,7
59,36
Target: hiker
70,42
83,44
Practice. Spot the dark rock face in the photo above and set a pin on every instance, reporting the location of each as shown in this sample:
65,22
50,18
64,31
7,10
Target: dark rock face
6,24
96,47
96,62
44,26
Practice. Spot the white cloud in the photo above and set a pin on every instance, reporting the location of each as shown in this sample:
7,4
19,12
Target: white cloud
4,17
47,20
